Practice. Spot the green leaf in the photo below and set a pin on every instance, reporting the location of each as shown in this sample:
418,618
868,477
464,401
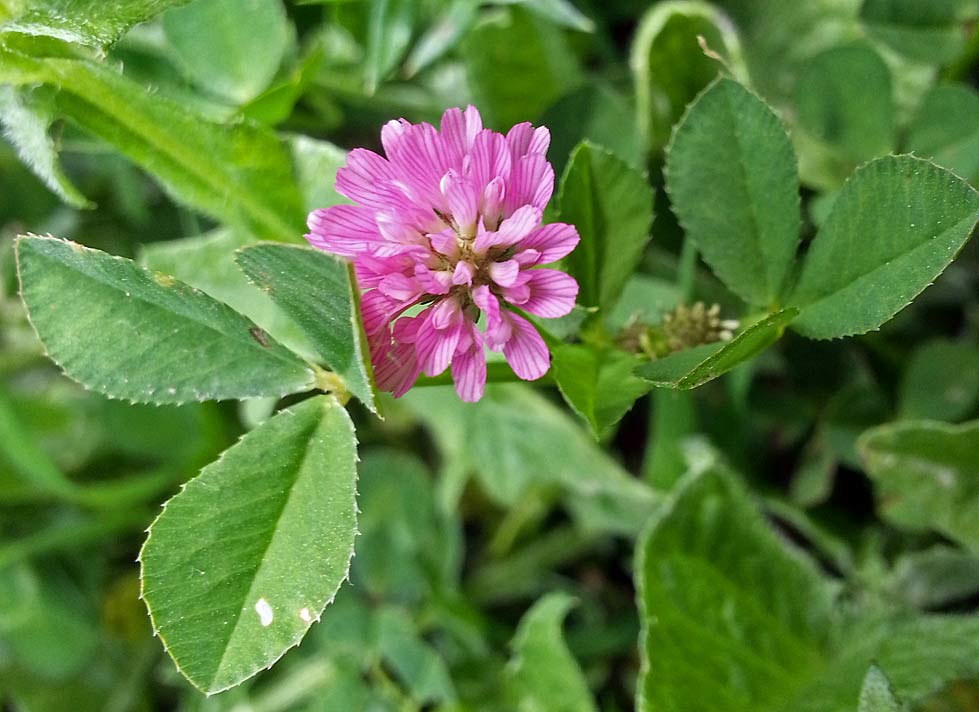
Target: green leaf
594,112
389,27
317,163
941,382
598,385
414,661
402,548
669,66
232,48
612,206
927,476
946,129
240,174
532,55
844,98
318,291
129,333
207,262
939,577
736,619
526,441
715,579
25,120
731,177
895,226
90,22
876,694
543,674
932,32
696,366
242,561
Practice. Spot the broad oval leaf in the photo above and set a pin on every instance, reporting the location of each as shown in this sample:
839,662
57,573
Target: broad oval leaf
713,577
946,129
319,292
927,476
242,561
940,382
611,204
767,631
130,333
931,32
230,47
731,176
895,226
845,98
696,366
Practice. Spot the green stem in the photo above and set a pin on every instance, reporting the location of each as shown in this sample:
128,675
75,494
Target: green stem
496,372
687,271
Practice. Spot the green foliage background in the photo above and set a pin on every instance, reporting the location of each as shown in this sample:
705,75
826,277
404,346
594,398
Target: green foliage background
785,520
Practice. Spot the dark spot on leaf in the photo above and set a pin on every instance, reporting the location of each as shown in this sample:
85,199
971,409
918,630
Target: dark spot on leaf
259,335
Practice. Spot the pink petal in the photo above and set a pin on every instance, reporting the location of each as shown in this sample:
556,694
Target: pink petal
489,159
445,242
375,311
463,274
397,370
504,273
469,370
365,179
344,230
459,129
498,327
421,158
526,351
512,230
553,241
531,183
391,134
446,313
552,293
435,347
400,287
463,201
433,281
491,204
524,138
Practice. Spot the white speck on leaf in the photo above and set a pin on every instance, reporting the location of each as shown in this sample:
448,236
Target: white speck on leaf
305,615
264,611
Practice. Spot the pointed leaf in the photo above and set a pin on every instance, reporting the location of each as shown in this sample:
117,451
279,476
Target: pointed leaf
598,385
731,176
612,206
543,674
242,561
694,367
895,226
130,333
90,22
25,120
876,694
319,292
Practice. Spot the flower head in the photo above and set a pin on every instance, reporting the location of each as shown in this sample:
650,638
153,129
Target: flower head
446,228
